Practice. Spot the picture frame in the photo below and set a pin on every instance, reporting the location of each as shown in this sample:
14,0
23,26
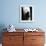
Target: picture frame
26,13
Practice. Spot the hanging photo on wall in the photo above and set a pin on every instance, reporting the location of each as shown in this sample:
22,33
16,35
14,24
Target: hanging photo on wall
26,13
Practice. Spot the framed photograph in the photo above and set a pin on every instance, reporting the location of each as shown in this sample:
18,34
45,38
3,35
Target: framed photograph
26,13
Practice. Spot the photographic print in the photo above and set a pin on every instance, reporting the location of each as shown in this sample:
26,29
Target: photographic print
26,13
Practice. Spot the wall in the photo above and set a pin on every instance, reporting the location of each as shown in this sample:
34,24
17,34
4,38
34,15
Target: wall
10,13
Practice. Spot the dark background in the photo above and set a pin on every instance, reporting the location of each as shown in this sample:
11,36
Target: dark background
26,15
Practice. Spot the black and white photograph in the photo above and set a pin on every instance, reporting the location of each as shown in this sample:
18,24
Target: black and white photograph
26,13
